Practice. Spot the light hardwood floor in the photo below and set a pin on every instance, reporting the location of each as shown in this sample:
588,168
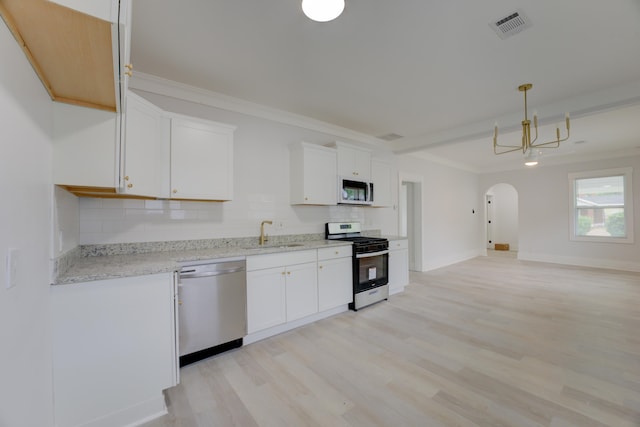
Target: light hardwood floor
488,342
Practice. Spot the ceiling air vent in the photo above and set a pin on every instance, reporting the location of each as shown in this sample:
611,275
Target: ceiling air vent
390,137
511,24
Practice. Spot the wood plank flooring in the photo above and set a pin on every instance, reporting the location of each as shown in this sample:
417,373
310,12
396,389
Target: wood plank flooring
492,341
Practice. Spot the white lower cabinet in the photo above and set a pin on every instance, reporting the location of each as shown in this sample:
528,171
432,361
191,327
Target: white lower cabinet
398,265
114,350
335,277
301,290
266,298
281,288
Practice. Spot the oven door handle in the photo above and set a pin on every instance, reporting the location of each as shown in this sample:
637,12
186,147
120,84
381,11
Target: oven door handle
372,254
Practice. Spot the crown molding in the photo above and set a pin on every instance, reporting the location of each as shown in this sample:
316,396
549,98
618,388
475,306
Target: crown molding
161,86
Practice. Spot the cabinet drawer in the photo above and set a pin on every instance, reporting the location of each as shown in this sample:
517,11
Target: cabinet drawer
334,252
259,262
398,244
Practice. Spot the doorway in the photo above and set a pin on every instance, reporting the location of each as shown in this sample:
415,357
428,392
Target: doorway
501,213
410,218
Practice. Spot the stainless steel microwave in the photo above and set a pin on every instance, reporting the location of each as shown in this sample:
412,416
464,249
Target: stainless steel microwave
352,192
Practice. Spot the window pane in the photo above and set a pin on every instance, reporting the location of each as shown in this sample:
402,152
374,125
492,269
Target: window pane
600,192
608,222
602,206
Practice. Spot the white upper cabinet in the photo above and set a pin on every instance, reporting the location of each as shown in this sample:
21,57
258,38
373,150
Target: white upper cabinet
155,156
92,158
201,159
353,162
143,136
313,177
85,148
381,176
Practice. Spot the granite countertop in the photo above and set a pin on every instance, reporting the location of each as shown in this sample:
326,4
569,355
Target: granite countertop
117,264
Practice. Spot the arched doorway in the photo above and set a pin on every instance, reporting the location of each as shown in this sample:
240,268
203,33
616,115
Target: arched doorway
501,212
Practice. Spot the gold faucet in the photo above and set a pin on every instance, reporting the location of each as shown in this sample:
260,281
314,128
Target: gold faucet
263,237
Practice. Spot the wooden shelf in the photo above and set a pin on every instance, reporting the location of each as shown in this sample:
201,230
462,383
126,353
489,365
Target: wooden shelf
71,52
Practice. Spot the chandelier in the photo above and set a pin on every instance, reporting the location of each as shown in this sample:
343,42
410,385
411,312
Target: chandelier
322,10
528,146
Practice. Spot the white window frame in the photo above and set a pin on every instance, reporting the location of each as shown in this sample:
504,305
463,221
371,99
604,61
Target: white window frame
626,173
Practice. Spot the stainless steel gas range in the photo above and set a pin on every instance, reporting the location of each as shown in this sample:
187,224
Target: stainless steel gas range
370,263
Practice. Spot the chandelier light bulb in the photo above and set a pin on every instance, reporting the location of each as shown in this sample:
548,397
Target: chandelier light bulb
322,10
531,159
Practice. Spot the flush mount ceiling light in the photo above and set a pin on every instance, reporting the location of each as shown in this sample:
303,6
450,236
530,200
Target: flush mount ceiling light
528,146
322,10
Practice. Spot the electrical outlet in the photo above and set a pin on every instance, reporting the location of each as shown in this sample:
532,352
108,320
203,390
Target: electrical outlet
12,267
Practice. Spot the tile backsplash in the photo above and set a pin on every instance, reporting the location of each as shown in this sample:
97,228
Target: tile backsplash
103,221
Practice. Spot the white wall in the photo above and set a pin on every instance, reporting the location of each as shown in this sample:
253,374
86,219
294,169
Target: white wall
25,185
65,234
504,224
544,209
261,192
451,212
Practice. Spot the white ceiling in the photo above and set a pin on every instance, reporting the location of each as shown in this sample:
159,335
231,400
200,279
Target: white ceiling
433,72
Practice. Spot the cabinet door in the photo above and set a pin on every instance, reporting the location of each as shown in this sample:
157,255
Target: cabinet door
85,146
354,162
201,160
362,165
381,178
313,174
113,347
265,298
302,291
398,269
142,147
335,283
347,162
320,178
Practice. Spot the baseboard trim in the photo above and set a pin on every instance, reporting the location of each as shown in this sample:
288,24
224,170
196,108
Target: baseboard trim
266,333
132,416
609,264
436,263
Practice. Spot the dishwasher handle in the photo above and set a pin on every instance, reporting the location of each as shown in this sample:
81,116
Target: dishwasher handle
187,274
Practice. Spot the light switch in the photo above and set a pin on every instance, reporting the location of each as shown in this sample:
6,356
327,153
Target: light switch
13,256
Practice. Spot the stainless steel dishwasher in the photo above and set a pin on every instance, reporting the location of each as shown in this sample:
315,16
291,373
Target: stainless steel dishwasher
212,309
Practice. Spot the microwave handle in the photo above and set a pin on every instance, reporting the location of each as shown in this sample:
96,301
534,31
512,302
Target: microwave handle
371,192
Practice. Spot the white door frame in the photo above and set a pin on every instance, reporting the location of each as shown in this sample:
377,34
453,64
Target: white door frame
489,216
415,229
